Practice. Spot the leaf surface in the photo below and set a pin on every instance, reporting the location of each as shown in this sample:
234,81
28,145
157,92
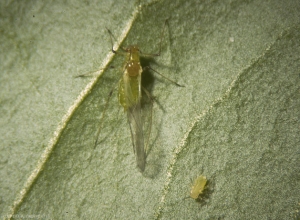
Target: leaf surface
236,121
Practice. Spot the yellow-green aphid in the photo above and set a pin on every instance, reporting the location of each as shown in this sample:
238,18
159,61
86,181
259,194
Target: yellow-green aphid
130,94
198,186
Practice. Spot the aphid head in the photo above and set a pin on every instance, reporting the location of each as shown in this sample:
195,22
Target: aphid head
134,53
133,49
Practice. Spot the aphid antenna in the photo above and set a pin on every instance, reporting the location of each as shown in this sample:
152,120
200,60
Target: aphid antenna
112,44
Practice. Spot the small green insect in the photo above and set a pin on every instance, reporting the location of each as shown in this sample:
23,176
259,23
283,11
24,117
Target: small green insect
130,95
198,186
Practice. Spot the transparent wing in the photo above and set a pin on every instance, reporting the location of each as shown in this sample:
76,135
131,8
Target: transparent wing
132,91
136,129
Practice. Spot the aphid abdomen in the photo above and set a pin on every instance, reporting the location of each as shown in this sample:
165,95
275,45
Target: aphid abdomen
130,99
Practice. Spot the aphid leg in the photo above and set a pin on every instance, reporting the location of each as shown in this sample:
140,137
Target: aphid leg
91,73
161,37
152,100
86,74
112,44
172,81
160,43
111,40
103,113
158,54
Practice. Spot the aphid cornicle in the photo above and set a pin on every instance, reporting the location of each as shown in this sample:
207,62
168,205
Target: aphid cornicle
198,187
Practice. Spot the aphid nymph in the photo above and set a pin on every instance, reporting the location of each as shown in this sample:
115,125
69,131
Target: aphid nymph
198,187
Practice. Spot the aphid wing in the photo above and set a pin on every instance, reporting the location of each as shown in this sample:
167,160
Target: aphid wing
132,91
136,129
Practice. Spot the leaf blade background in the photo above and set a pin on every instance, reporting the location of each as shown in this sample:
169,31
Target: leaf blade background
201,52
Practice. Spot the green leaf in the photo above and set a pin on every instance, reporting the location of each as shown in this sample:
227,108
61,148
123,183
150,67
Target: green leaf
236,121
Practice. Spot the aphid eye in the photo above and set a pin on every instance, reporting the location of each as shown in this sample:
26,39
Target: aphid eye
198,186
